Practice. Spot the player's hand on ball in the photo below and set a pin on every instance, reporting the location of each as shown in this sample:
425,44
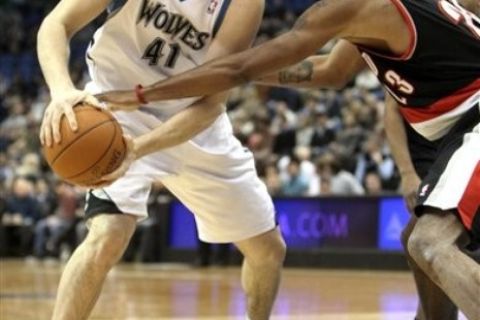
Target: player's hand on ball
119,100
409,187
130,156
62,105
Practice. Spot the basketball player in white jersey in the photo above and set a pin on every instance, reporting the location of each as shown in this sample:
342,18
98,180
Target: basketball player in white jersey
200,161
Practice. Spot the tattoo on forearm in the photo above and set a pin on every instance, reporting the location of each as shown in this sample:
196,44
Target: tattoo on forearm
302,72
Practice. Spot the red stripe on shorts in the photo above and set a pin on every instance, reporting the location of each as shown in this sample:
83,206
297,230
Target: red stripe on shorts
470,201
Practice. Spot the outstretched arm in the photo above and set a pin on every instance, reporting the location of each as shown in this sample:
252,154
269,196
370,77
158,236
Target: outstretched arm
191,121
326,20
333,70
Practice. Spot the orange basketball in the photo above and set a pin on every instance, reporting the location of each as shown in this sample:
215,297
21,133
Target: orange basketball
95,149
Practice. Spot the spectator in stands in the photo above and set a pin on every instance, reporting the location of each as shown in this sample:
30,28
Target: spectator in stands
375,156
284,125
50,230
22,212
307,169
216,254
294,183
272,179
273,122
335,179
373,183
323,133
260,140
45,196
3,204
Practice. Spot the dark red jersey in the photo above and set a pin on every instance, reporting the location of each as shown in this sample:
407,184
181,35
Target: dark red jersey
439,74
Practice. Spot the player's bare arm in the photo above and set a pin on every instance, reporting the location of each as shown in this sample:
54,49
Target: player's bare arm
397,138
333,70
67,18
199,116
376,24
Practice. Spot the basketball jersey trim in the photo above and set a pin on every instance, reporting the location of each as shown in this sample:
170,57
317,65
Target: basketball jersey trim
414,115
470,202
411,29
221,17
115,5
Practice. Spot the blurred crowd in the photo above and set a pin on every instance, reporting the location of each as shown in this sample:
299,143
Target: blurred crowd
306,142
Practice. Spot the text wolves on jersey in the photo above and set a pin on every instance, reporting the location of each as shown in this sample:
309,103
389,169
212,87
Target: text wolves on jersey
181,29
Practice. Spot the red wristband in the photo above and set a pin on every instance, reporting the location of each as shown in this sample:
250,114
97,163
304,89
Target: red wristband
139,93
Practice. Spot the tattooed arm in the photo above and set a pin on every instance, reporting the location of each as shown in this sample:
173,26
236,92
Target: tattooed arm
333,70
324,21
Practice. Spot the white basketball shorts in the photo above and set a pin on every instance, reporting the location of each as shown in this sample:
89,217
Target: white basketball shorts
221,187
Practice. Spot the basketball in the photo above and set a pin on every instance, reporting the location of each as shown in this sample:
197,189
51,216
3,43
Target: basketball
95,149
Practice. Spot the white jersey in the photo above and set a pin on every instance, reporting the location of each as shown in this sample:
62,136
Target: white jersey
145,41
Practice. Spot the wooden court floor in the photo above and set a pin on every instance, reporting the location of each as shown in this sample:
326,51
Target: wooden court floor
178,292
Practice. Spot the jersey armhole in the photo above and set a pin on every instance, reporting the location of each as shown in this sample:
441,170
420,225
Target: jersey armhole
411,28
221,17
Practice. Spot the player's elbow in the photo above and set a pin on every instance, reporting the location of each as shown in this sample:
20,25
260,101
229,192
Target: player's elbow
44,26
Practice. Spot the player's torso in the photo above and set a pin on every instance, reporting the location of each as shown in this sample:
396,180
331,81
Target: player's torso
145,41
441,69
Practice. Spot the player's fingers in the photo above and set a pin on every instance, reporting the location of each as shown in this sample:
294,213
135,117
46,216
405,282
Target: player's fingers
128,142
55,123
110,177
47,129
116,174
91,100
411,202
99,185
114,107
70,115
41,133
121,107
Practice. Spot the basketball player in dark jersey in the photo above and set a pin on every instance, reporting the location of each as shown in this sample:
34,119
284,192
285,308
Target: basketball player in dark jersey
413,154
427,55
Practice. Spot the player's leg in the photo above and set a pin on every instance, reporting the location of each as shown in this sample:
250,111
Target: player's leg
261,271
433,245
85,272
231,205
449,206
434,304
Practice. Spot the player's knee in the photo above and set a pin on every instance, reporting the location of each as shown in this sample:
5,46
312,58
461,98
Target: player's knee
270,255
406,233
279,251
107,244
404,238
423,248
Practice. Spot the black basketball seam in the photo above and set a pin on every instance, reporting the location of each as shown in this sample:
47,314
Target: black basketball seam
70,144
79,110
101,157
